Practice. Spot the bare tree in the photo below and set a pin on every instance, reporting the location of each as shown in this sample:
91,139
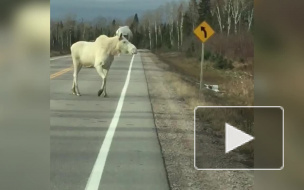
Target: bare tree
178,36
101,23
119,22
160,17
169,19
237,8
174,8
129,21
82,25
158,14
222,10
150,36
193,12
160,32
179,25
84,32
69,24
61,34
156,21
183,8
227,9
147,26
182,28
218,13
250,18
53,34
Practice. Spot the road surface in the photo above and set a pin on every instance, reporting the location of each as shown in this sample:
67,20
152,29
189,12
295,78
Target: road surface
103,143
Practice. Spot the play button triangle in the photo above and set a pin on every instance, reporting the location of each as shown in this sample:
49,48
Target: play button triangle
235,138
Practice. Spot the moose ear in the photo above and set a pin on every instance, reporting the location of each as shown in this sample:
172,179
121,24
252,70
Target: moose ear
120,36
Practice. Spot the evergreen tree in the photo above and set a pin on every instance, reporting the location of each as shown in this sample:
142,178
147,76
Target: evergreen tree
134,28
204,11
187,29
135,21
112,32
193,13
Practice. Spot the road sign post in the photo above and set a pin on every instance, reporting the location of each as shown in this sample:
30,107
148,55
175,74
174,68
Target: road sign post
202,63
203,32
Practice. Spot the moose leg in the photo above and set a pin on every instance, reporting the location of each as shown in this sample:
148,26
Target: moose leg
74,74
77,68
105,85
103,74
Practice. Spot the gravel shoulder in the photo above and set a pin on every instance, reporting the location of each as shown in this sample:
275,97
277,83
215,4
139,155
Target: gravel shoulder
173,112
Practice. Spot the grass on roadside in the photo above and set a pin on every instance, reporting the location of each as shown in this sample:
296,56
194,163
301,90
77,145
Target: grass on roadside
236,86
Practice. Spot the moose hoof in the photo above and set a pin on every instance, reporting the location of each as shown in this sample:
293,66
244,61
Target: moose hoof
100,92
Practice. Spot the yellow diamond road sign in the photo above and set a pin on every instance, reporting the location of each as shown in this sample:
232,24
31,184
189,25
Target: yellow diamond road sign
204,31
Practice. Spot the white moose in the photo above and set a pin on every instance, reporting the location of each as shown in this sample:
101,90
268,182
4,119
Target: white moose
99,54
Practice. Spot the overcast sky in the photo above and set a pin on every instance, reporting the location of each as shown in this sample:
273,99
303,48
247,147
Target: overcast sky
89,9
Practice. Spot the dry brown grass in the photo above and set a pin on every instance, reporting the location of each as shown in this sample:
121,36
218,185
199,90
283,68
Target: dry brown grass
237,86
233,46
188,93
215,119
241,91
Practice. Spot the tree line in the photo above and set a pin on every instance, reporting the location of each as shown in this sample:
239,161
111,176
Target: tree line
169,27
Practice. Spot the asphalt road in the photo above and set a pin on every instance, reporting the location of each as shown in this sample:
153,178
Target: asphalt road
103,143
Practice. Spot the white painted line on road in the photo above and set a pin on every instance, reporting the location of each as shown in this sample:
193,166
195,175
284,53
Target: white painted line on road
55,58
94,180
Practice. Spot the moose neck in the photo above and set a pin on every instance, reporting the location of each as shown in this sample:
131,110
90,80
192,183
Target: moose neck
114,49
108,45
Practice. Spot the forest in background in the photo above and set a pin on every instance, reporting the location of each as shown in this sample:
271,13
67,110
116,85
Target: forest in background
169,28
168,32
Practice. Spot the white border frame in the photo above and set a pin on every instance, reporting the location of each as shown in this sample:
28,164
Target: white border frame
280,107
